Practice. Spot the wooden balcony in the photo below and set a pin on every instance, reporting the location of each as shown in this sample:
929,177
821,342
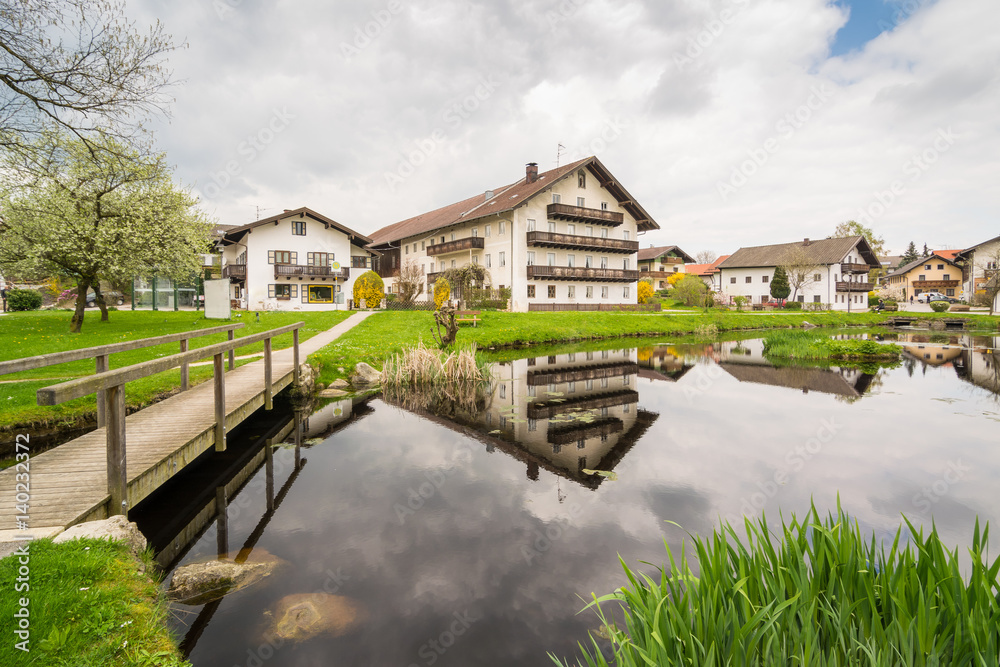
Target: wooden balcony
590,215
301,271
928,285
538,271
582,373
575,242
235,271
589,402
846,268
854,287
567,435
469,243
431,277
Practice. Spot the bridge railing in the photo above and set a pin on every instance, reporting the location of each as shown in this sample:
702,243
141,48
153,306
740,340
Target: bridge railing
101,355
112,385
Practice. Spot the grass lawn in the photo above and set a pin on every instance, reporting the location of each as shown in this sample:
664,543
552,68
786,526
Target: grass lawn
89,606
44,332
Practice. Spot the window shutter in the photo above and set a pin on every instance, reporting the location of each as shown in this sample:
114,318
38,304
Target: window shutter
295,291
270,291
295,258
305,295
309,258
330,260
270,257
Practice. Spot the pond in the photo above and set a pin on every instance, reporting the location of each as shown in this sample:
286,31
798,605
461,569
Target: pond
470,531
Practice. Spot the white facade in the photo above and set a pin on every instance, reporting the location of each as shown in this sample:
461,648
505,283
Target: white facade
296,261
980,260
825,286
507,252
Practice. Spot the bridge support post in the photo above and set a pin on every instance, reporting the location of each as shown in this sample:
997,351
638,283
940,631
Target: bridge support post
185,368
101,365
117,474
295,357
222,522
232,353
268,394
220,403
269,476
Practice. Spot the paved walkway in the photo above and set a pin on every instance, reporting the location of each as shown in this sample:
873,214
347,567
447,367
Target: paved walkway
68,484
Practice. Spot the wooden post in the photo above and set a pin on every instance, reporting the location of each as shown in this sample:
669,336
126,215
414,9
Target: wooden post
117,474
298,438
222,522
232,353
101,366
269,476
220,403
268,397
295,357
185,368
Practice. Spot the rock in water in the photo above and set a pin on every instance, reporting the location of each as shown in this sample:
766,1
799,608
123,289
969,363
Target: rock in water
305,615
365,375
198,583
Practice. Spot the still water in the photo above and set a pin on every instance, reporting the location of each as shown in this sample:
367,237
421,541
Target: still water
465,531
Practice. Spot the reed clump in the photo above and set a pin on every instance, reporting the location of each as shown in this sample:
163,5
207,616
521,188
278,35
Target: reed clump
823,595
815,346
421,366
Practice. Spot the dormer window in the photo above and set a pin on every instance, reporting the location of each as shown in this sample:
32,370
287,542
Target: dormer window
298,227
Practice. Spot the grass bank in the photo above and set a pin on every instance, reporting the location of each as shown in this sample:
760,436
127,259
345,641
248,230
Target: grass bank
89,605
814,346
35,333
813,592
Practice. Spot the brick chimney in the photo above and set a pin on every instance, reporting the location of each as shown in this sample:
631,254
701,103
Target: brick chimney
805,241
531,172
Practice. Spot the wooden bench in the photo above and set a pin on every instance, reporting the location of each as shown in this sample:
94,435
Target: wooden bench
467,316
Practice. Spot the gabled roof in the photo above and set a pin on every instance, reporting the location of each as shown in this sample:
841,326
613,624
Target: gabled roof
918,262
646,254
820,252
705,269
234,233
507,198
965,253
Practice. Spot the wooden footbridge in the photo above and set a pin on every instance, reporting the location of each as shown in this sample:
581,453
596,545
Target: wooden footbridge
112,468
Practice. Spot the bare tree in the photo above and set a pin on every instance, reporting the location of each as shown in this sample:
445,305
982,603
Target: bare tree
800,269
409,281
79,65
705,257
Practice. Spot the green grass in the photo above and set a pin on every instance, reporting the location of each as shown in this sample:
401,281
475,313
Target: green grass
44,332
89,606
813,345
815,593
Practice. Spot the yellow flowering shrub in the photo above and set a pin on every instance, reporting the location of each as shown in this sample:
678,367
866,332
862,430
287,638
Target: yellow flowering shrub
370,287
442,290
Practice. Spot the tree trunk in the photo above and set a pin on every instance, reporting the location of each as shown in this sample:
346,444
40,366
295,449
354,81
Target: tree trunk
76,323
99,299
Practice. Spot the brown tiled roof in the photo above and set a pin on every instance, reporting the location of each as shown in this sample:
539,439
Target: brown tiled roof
917,262
507,198
819,252
236,232
965,253
646,254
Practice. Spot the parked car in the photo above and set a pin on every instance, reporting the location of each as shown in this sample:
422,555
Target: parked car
942,297
109,298
925,297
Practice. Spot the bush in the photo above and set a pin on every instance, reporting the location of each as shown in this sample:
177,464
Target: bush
442,290
370,287
872,299
487,299
792,305
644,292
23,299
939,306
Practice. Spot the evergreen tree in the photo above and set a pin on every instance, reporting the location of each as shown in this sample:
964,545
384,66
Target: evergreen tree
910,255
926,251
779,284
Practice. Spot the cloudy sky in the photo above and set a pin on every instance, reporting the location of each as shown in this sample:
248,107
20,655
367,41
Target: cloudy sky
733,122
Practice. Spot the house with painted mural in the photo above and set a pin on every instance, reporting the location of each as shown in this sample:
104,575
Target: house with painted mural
834,272
937,272
564,239
296,260
658,262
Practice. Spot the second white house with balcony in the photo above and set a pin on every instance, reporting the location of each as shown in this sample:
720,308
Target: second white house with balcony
297,260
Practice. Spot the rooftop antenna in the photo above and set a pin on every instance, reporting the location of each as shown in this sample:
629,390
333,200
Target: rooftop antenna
560,151
259,209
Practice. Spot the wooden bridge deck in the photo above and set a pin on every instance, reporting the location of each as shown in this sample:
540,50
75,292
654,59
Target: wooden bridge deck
68,484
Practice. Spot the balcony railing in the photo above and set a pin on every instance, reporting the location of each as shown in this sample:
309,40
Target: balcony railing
581,214
848,267
582,373
572,241
550,409
306,271
934,284
854,287
234,271
577,273
468,243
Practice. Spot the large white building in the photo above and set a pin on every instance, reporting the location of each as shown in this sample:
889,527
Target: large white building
297,260
980,263
564,239
837,274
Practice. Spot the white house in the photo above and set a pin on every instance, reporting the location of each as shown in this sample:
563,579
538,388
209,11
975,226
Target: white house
834,271
980,264
565,239
297,260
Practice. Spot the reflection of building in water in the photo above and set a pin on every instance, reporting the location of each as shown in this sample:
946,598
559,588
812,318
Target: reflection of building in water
979,363
921,348
663,362
745,361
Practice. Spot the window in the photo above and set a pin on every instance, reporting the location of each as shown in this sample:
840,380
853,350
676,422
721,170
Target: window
488,262
571,293
921,277
626,264
604,292
625,234
532,424
281,257
422,245
604,262
556,199
453,264
552,227
531,291
531,225
835,277
359,262
588,261
503,227
453,236
949,292
571,229
940,267
625,292
552,291
590,291
571,388
817,277
604,206
501,260
475,232
321,294
581,202
732,281
551,258
581,179
298,227
431,269
282,291
946,276
531,257
319,259
407,249
571,261
749,279
488,230
475,259
764,279
927,267
802,298
816,298
588,385
590,231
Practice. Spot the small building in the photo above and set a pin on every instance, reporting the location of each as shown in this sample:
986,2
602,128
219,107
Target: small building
979,263
833,272
297,260
708,272
657,262
936,273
